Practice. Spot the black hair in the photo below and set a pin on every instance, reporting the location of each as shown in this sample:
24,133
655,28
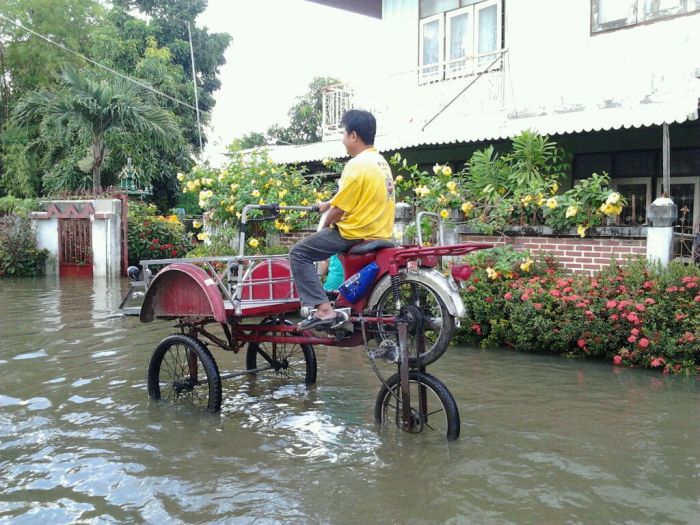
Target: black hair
361,122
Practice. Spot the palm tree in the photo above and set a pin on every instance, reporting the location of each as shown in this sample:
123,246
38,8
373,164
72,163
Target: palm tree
87,109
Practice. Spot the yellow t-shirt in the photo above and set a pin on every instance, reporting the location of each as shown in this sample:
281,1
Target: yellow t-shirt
366,195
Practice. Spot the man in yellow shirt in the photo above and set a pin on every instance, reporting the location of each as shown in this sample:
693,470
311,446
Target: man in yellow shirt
362,209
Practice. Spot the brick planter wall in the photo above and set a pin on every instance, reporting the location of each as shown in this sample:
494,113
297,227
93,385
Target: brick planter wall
582,255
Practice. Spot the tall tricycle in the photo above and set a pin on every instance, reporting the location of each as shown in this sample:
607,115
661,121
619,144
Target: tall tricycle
403,313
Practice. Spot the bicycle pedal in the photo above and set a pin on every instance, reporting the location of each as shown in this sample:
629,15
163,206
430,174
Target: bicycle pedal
387,351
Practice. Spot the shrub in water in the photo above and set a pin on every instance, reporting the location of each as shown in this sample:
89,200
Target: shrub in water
19,256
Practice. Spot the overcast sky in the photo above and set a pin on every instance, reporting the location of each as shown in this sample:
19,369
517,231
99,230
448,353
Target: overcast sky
278,47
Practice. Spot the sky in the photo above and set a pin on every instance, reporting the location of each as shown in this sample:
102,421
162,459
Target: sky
278,47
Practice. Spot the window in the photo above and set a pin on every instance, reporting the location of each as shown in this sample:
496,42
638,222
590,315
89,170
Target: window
612,14
453,33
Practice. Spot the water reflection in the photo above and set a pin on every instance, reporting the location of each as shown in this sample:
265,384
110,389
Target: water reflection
544,440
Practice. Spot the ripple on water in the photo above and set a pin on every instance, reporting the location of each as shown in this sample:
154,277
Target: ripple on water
31,355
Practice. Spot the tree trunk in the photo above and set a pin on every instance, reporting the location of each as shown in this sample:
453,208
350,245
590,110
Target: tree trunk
98,151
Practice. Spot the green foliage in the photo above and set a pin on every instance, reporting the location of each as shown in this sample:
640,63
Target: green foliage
13,206
253,179
634,315
305,116
85,111
19,256
152,236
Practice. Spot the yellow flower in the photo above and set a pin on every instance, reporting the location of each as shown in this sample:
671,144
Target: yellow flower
221,177
234,186
326,162
190,185
501,190
180,176
467,207
552,203
238,215
540,200
261,202
231,209
286,228
608,209
581,230
399,179
282,193
452,185
525,265
508,275
196,224
197,183
256,193
618,209
442,199
203,236
447,171
527,199
554,187
305,202
302,214
493,274
571,211
278,183
253,242
444,213
613,198
437,168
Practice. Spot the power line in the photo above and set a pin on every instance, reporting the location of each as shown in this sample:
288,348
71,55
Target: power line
126,77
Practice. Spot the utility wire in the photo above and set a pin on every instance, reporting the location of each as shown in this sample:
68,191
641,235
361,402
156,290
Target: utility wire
107,68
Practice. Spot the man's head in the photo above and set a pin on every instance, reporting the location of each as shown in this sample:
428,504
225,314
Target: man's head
359,128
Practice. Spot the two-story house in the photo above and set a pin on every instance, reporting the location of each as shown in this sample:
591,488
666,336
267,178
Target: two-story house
604,78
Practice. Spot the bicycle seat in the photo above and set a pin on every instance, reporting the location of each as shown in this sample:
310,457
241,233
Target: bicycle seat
370,246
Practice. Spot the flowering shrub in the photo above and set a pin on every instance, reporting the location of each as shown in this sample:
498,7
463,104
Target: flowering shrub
520,187
636,315
152,236
19,256
252,178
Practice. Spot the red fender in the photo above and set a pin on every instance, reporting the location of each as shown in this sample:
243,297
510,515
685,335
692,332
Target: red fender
182,290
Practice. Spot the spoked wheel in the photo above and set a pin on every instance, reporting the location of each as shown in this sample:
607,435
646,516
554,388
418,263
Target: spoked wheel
433,409
295,361
184,372
430,325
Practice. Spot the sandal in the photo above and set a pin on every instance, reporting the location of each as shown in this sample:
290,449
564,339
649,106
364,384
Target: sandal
316,322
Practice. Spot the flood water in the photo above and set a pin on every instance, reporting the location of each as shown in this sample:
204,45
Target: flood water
544,439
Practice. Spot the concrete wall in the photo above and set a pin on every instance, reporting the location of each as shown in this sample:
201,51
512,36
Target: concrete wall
104,215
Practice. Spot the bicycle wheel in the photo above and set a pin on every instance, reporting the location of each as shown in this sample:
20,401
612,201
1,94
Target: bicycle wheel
433,409
430,324
295,361
183,371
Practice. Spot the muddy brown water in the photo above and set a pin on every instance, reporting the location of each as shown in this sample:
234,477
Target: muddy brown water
544,439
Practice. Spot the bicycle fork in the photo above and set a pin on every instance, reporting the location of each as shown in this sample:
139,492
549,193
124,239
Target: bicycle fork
402,328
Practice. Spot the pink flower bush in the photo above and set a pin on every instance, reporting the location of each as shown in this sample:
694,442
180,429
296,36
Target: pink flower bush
634,315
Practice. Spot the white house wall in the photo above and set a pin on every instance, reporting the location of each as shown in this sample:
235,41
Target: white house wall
553,64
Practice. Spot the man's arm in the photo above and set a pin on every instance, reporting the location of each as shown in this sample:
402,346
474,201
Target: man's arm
334,215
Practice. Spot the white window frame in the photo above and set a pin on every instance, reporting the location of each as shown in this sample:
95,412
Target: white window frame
634,180
485,61
637,14
467,62
423,74
695,180
442,68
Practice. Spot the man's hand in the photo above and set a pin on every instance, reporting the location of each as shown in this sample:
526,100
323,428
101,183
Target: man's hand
323,206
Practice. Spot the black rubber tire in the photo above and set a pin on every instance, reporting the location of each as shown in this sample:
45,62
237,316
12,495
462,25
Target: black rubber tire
284,351
385,307
170,358
387,409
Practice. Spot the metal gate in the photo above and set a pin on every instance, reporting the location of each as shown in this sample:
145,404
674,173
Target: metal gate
75,247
